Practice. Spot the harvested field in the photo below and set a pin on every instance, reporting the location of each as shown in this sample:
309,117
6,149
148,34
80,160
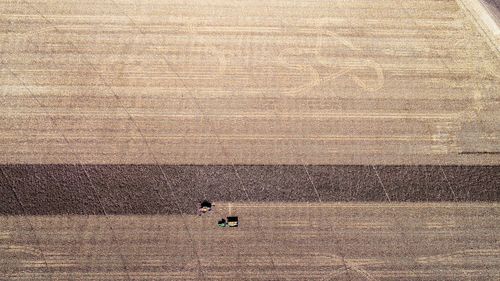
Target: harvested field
117,116
144,189
253,82
493,9
274,242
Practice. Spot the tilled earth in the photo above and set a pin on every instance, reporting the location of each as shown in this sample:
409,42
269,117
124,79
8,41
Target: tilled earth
89,87
150,189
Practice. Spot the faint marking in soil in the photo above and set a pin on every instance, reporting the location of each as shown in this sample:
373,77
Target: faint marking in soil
346,69
11,186
31,228
449,184
33,96
351,266
381,183
312,182
204,117
480,152
23,249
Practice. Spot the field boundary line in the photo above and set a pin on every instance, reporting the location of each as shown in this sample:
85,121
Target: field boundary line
471,14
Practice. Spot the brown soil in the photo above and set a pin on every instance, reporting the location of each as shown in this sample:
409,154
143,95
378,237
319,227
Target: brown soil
275,241
258,82
142,189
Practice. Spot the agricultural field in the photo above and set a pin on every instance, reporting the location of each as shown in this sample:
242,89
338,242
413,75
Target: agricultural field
355,139
251,82
492,9
151,189
275,241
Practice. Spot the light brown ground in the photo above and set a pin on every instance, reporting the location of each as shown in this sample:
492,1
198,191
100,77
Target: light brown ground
486,15
274,242
316,82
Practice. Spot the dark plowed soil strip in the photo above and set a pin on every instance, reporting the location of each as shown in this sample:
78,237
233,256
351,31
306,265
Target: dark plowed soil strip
142,189
493,7
493,3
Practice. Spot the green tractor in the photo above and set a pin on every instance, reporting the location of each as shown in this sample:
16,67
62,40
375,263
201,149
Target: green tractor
228,222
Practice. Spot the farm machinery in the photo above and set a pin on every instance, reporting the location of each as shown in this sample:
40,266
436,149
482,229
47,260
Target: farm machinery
207,207
228,222
204,207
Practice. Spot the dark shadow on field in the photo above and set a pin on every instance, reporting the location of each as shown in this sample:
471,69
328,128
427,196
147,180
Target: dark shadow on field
173,189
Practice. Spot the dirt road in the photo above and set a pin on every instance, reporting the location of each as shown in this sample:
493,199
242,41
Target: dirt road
252,82
275,241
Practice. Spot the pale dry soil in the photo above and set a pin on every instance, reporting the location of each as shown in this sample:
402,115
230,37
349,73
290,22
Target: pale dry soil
249,82
275,241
